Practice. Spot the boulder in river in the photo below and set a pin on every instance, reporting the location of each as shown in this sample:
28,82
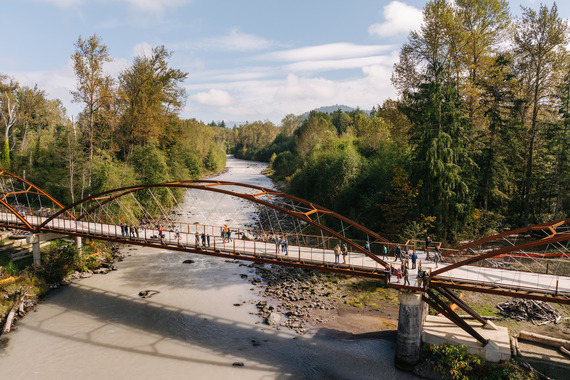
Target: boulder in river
273,319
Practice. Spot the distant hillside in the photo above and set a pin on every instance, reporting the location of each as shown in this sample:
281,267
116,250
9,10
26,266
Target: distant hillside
331,109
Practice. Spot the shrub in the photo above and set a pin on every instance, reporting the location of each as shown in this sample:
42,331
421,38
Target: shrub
454,361
57,262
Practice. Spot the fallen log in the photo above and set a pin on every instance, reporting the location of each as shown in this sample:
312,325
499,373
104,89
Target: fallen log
18,305
543,339
515,344
513,349
564,351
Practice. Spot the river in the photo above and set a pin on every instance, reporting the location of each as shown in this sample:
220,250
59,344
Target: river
99,327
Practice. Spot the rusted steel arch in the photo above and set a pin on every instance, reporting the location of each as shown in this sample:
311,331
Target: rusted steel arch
554,237
31,189
213,186
550,226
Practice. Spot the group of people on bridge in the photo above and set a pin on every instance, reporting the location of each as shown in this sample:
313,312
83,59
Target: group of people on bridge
338,250
129,231
283,244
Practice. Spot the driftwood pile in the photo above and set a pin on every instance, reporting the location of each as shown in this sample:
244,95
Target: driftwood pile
19,308
538,312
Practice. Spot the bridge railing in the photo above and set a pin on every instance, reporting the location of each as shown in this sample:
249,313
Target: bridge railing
244,241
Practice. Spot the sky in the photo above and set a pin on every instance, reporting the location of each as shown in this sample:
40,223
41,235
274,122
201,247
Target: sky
246,60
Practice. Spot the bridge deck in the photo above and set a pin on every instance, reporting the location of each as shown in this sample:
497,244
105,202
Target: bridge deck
310,257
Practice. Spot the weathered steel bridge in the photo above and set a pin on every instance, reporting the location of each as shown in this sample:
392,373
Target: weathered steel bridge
530,262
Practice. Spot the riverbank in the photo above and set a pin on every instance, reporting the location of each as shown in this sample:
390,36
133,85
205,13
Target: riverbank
310,301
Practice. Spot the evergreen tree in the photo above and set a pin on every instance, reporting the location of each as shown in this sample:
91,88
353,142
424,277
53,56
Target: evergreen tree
441,160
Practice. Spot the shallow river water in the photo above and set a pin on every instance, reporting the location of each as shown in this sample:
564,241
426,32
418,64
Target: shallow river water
99,328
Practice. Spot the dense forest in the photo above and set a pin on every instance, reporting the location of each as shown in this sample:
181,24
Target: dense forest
476,142
129,131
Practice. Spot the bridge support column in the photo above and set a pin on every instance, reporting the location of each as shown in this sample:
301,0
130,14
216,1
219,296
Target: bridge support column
36,253
35,240
410,321
79,245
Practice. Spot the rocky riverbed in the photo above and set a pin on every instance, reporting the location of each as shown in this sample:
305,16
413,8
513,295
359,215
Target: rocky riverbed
304,301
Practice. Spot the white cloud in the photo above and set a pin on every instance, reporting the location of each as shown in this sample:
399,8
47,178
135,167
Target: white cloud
306,88
237,41
213,97
272,99
238,111
341,64
156,5
116,66
400,18
143,49
57,84
269,92
328,51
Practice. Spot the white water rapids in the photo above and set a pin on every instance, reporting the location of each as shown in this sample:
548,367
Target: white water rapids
99,328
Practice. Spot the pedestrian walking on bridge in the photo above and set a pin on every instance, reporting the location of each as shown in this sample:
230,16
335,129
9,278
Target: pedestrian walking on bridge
337,254
405,274
344,253
398,254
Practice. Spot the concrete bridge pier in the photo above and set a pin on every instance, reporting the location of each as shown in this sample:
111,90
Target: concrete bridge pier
79,245
410,321
36,253
35,240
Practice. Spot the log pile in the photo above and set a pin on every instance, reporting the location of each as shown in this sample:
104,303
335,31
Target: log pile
537,312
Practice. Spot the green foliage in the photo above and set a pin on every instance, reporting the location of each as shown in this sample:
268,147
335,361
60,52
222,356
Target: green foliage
5,159
11,269
417,229
149,92
480,224
509,370
326,173
455,362
110,173
399,202
252,140
215,160
441,158
58,261
149,162
284,163
313,132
